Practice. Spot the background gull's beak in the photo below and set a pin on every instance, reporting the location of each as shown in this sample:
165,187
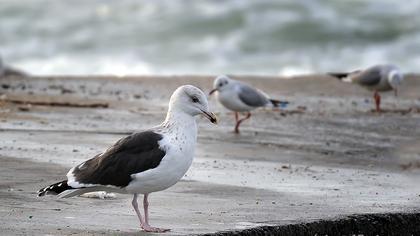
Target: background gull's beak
211,92
211,116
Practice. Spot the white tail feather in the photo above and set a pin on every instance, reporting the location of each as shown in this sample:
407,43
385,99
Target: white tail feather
347,80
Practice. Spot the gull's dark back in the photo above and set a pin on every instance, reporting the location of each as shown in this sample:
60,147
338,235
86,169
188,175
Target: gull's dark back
251,96
369,77
374,75
133,154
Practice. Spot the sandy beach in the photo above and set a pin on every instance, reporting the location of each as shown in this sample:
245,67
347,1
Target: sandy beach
326,156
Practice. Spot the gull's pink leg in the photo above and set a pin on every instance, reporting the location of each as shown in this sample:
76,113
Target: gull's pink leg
240,121
136,208
377,98
146,225
146,208
246,117
237,122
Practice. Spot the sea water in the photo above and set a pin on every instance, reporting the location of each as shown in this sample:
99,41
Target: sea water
265,37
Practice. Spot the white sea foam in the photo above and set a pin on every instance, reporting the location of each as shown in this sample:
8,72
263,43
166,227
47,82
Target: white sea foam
207,37
86,65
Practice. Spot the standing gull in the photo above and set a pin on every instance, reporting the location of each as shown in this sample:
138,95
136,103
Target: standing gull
240,97
143,162
377,78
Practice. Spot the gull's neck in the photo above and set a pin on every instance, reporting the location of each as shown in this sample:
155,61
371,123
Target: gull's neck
177,121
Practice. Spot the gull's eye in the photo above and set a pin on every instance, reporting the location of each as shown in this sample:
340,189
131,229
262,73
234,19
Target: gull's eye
194,99
220,84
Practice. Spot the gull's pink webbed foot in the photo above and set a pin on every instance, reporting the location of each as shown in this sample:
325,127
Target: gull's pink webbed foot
144,223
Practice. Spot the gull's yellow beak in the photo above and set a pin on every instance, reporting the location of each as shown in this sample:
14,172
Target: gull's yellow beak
211,116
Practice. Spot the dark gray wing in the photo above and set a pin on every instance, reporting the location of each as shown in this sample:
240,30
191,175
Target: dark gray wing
369,77
251,96
133,154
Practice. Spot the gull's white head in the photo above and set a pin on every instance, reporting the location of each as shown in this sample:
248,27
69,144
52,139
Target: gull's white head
192,101
221,83
395,79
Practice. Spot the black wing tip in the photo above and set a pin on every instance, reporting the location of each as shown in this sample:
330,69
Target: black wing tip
338,75
278,102
54,189
42,192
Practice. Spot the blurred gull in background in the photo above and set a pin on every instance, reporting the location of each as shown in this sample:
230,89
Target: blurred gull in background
376,78
6,70
240,97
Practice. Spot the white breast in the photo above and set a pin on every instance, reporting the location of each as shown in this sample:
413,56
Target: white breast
179,148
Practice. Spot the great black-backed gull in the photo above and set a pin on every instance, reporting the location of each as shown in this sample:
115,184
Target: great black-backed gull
143,162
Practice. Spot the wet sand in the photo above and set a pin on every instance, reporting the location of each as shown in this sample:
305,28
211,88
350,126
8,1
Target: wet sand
326,156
